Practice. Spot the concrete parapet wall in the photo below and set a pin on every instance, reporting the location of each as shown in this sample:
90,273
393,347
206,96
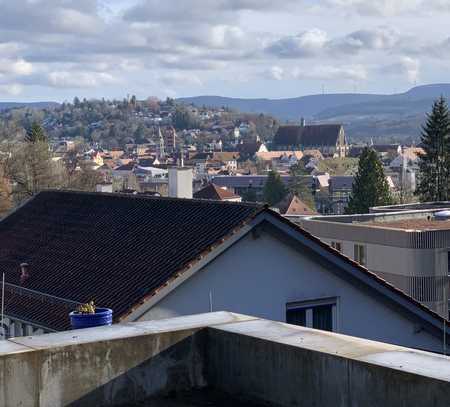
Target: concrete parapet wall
104,373
295,370
254,359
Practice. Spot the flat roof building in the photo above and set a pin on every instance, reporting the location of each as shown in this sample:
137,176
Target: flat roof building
408,248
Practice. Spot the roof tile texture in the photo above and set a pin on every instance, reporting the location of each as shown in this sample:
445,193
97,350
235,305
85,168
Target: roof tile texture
112,248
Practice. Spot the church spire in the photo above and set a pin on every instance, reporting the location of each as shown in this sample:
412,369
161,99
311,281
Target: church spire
162,152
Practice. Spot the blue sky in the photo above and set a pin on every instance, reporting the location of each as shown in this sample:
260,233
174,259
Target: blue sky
56,49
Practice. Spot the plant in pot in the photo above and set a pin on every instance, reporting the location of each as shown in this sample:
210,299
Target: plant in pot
88,315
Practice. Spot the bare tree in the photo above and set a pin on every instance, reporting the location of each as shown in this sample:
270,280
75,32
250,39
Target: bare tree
5,193
30,169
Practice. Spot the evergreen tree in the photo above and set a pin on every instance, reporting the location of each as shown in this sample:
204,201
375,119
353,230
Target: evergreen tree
249,195
370,187
301,185
35,133
182,119
274,189
435,163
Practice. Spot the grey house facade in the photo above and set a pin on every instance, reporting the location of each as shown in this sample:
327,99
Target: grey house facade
262,264
277,279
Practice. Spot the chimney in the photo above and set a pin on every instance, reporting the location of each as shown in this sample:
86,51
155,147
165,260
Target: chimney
24,272
180,182
302,122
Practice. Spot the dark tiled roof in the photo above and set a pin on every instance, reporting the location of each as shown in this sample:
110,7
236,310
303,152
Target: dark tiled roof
308,136
29,306
245,181
126,167
212,191
113,248
341,182
146,162
248,148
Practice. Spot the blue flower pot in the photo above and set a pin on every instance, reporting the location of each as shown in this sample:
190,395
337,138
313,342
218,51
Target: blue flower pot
102,316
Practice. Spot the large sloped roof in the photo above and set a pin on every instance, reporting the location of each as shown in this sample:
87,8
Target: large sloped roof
308,136
121,250
113,248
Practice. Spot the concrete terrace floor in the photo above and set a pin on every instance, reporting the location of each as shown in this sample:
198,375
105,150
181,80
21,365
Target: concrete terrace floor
196,398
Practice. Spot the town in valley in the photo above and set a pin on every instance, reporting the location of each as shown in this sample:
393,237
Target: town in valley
284,244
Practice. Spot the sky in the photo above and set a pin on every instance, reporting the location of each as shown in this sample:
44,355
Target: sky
58,49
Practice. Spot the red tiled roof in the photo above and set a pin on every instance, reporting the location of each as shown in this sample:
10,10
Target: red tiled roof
293,205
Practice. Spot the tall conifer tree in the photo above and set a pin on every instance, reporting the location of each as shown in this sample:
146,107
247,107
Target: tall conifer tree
35,134
434,165
370,187
274,189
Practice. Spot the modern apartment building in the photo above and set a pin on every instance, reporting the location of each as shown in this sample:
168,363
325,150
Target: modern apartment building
408,248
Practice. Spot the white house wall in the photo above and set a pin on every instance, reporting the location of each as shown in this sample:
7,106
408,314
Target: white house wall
259,276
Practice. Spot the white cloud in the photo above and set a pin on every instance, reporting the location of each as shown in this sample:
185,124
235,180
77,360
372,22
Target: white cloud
18,67
171,79
200,10
381,8
105,49
276,73
69,20
375,7
12,89
9,49
330,72
67,79
405,67
305,44
380,38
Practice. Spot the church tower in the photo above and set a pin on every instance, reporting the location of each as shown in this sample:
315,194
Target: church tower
162,152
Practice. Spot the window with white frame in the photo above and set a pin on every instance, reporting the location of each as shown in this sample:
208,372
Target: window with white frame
318,314
360,254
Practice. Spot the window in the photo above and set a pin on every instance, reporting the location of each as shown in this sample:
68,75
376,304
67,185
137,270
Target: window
360,254
317,314
337,246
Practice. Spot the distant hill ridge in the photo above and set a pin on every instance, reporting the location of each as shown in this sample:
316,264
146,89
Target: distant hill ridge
312,105
385,117
36,105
